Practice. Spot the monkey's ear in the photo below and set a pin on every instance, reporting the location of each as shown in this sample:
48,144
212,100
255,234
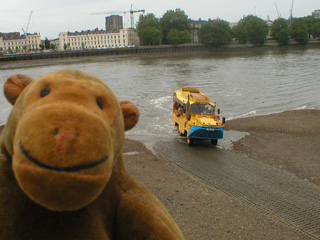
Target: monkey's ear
130,114
14,86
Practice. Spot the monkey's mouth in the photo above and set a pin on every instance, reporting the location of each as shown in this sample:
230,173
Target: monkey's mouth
75,168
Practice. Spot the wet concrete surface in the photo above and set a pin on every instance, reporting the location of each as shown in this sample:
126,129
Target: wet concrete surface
275,192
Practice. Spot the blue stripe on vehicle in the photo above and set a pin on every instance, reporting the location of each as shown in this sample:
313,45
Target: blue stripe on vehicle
206,132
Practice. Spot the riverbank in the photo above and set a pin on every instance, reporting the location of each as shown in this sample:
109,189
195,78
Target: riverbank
287,140
202,212
161,49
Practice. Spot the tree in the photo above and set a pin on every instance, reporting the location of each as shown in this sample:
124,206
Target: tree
184,36
176,36
252,29
299,31
239,32
150,36
315,30
173,36
174,20
215,33
46,43
148,28
257,30
310,21
148,20
280,31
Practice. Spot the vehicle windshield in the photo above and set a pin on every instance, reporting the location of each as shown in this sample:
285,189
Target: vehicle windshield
202,108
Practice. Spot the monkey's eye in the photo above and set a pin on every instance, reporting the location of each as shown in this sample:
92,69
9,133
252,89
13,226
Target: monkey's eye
44,92
99,102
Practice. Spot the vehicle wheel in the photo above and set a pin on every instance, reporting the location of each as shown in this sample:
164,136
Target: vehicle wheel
190,141
214,142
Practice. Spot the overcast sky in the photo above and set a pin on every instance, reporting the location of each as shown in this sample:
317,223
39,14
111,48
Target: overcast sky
49,18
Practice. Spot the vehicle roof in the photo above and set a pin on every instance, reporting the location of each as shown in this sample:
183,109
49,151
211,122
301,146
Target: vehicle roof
194,94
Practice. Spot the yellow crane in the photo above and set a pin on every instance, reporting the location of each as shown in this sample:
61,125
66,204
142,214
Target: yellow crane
131,11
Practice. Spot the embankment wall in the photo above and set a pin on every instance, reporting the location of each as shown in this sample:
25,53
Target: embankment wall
142,50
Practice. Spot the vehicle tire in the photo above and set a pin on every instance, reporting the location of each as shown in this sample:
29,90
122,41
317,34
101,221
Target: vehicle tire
214,142
190,141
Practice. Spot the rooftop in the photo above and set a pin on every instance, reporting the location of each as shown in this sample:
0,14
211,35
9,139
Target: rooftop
95,31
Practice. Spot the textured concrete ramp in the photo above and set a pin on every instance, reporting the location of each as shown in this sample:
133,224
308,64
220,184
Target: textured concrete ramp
276,192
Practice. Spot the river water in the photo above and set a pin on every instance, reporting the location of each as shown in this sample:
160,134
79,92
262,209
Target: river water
241,83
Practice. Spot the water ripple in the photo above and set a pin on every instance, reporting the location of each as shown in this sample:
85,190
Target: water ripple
242,83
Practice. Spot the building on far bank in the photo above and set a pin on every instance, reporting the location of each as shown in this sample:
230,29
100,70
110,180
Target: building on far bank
14,42
316,13
98,39
114,23
55,42
195,26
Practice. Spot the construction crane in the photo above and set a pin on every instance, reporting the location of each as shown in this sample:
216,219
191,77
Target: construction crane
291,16
25,32
279,15
131,11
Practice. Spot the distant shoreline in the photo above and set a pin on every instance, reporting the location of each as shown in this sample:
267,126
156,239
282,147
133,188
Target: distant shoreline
162,49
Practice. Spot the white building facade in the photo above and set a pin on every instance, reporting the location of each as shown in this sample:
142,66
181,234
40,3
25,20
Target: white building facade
13,42
316,13
98,39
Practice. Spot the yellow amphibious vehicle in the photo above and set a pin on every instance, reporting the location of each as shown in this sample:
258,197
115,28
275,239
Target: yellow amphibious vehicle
195,116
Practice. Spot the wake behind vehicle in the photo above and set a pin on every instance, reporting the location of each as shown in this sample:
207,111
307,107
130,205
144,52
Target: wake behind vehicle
195,116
